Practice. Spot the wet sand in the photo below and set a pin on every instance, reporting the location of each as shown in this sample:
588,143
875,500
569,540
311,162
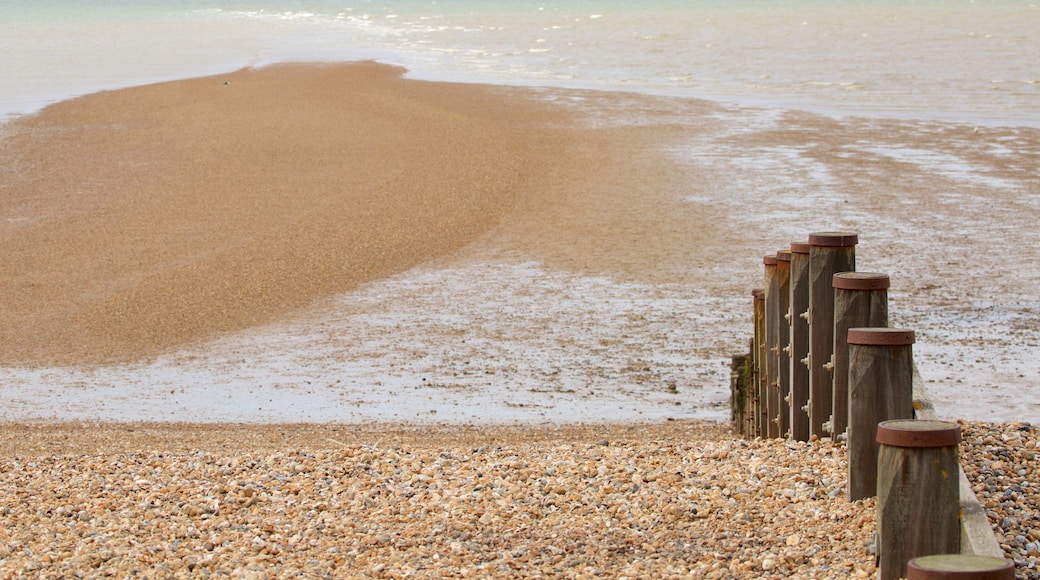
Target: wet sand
145,219
477,254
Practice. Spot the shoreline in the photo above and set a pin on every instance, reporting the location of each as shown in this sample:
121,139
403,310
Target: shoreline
614,287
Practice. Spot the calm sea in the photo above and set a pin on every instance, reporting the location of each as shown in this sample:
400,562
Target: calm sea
965,60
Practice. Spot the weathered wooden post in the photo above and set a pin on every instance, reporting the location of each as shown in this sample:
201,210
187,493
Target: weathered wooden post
860,300
760,360
739,383
881,375
799,342
959,567
918,505
749,391
783,366
772,296
829,253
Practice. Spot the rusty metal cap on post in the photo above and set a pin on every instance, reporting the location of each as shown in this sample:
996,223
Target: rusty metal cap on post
916,433
881,336
833,239
799,247
769,260
861,281
783,256
959,566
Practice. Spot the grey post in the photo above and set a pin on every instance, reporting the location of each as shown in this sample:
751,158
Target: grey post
783,372
829,253
739,382
881,375
758,354
860,300
918,504
772,394
799,342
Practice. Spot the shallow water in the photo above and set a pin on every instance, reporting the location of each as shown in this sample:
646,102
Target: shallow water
972,61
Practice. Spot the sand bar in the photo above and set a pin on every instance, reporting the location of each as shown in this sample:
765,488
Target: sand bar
142,219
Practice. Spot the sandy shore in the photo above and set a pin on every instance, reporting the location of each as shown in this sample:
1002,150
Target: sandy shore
142,220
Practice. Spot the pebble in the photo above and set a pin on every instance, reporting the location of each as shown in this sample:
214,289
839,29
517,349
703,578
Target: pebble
683,499
1001,464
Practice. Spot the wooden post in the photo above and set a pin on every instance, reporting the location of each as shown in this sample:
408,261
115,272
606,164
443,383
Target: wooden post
860,300
760,360
881,374
783,366
739,383
918,505
749,390
772,428
960,567
799,342
829,253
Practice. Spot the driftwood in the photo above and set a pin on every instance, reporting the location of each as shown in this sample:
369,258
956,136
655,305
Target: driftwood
918,504
829,254
799,342
881,372
860,300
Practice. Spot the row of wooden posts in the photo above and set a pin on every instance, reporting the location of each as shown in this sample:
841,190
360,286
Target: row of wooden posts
823,362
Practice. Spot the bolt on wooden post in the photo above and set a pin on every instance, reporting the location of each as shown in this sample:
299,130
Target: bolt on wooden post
959,567
759,359
918,489
881,376
829,253
772,393
799,342
860,300
783,366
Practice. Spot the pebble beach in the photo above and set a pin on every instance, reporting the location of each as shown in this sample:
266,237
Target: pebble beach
642,501
670,500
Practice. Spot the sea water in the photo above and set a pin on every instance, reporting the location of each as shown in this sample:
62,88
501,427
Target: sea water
954,59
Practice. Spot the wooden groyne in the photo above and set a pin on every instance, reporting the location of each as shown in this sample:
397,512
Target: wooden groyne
823,363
